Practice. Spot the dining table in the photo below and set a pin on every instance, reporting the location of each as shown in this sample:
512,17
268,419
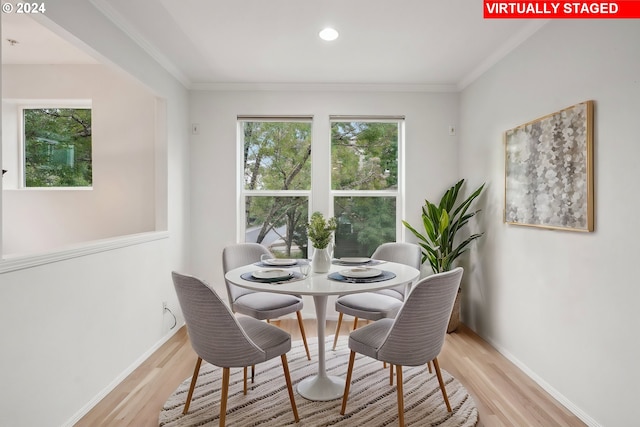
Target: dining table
323,387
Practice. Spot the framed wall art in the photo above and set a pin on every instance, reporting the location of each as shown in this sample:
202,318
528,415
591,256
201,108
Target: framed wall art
549,171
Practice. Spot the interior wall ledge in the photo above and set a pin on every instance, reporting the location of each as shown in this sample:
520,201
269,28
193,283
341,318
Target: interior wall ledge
19,262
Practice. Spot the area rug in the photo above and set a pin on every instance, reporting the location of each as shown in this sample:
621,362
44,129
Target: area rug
372,401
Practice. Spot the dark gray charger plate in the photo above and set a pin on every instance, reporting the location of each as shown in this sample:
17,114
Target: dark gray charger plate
386,275
356,264
249,277
297,263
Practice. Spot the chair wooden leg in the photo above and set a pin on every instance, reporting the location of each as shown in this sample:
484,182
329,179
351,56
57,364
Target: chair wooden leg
347,383
335,339
287,377
225,394
429,366
400,393
390,374
253,373
245,380
442,388
355,323
192,387
304,336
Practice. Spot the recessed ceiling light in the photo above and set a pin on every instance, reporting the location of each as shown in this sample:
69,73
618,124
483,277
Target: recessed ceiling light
328,34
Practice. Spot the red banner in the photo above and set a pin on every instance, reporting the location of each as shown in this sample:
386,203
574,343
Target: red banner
623,9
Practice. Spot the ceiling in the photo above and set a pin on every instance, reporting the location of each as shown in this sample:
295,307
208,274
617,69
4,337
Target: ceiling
36,44
233,43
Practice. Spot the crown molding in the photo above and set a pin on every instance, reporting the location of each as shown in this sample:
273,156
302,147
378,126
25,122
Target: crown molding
323,87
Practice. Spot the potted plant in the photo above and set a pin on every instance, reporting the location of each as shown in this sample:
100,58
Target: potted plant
320,232
441,223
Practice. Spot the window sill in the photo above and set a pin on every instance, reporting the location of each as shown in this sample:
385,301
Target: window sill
12,263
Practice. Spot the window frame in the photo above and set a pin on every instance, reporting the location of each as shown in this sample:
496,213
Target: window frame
242,192
22,143
320,194
398,193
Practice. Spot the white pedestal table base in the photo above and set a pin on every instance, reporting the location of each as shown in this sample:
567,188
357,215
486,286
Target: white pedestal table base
321,387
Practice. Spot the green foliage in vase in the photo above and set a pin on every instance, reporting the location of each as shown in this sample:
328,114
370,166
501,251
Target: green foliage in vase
441,223
320,231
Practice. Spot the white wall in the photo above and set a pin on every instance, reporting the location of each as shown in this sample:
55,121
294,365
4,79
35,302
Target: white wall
122,200
430,155
71,329
563,305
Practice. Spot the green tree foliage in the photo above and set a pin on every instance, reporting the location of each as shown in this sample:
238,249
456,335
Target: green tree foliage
57,147
277,157
363,224
364,156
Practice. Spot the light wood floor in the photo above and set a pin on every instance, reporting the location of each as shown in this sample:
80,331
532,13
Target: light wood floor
503,394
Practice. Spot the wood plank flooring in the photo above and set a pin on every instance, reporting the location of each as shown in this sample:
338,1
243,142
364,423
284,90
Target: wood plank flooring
504,395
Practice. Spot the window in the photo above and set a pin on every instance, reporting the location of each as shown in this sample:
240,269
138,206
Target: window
360,157
57,147
276,183
365,183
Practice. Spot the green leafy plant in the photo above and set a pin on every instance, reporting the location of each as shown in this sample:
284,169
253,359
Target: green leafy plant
320,231
441,223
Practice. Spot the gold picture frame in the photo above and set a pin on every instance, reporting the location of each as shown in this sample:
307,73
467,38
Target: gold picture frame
549,171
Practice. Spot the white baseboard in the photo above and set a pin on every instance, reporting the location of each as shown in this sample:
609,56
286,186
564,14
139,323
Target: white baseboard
545,385
108,389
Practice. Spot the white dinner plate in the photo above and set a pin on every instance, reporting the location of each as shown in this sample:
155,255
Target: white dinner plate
272,274
279,261
354,260
360,272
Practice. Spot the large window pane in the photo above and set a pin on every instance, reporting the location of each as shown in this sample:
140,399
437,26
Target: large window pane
364,223
279,223
364,155
57,147
277,155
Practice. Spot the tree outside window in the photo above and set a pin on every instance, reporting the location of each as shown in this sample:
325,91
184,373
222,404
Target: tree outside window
277,184
364,180
57,147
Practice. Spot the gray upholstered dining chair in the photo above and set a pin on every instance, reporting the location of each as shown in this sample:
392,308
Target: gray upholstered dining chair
223,340
416,335
259,305
384,303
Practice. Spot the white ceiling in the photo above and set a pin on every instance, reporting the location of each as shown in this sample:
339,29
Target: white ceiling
36,44
230,43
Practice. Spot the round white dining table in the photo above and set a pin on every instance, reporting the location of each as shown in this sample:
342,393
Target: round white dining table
322,387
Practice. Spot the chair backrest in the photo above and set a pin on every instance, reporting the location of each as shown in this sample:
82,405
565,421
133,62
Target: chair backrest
418,331
215,334
404,253
235,256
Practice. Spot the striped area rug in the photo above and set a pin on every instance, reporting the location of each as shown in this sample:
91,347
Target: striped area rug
372,402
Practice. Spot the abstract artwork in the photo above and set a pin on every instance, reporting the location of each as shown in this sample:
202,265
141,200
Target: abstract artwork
549,171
